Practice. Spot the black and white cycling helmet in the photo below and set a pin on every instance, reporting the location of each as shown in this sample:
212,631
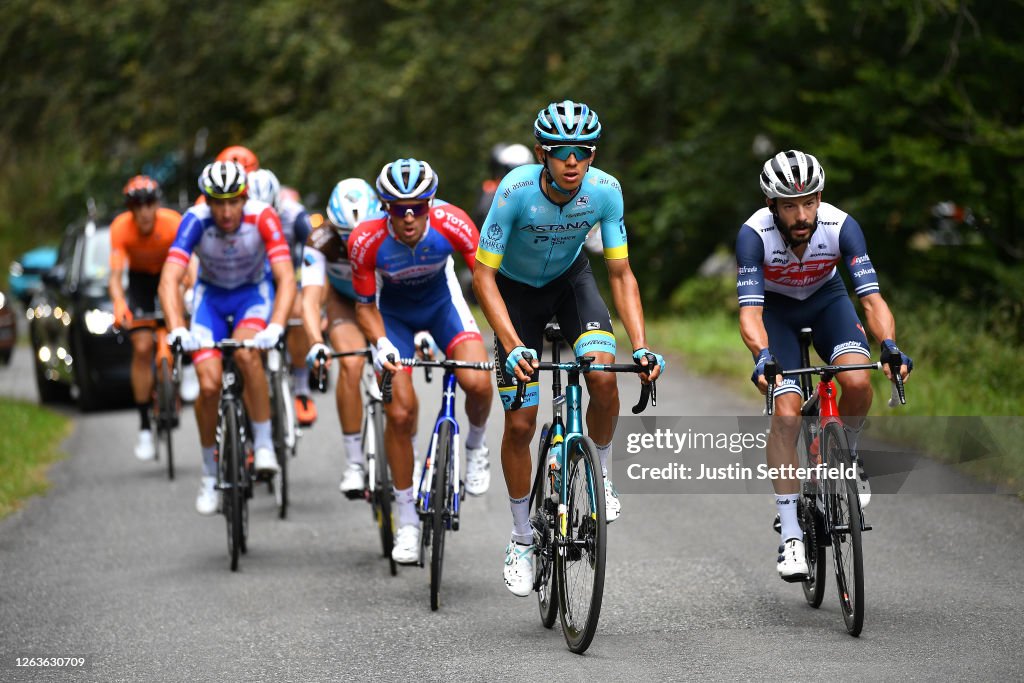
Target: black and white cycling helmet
264,186
223,180
792,174
405,179
567,123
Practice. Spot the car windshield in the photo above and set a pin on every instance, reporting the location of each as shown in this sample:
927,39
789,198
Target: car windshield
96,255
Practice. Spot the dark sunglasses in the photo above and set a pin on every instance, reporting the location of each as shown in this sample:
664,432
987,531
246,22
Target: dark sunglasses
401,210
562,152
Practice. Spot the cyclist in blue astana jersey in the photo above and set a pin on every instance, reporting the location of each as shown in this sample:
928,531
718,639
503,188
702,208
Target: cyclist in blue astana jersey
786,256
296,226
327,277
529,269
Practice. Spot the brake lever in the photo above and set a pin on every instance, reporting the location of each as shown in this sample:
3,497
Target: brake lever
517,403
771,369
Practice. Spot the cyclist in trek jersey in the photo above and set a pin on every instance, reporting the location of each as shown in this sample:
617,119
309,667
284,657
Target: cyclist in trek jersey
139,240
234,237
264,186
411,251
529,269
786,257
327,277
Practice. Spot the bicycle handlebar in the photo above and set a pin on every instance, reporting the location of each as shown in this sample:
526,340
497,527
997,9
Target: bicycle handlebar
321,377
454,364
771,370
584,364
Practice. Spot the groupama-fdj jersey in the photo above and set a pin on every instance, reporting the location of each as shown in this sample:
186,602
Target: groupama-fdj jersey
532,240
808,291
418,288
234,279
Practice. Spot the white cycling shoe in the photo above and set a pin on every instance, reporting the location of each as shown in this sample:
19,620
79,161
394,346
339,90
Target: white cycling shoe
518,571
612,506
266,462
478,471
208,500
353,481
144,448
792,562
407,544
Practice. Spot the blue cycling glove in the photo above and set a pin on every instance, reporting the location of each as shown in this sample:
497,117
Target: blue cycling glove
763,356
514,356
641,352
889,349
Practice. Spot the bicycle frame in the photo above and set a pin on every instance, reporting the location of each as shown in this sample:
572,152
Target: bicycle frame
445,414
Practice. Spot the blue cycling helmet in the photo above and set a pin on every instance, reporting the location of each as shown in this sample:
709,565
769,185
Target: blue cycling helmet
567,122
405,179
352,201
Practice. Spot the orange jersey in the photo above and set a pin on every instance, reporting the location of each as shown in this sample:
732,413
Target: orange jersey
143,254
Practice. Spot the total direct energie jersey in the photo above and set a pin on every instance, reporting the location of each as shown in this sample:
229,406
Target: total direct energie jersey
532,240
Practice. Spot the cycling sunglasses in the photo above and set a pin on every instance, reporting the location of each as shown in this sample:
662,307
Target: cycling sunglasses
562,152
402,210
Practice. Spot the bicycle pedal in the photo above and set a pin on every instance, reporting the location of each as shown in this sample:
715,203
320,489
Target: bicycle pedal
795,578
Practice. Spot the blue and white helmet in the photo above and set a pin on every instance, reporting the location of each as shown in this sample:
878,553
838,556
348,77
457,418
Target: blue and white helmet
567,122
792,174
405,179
264,186
352,201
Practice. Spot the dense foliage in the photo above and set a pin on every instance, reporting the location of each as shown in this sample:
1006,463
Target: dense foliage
906,102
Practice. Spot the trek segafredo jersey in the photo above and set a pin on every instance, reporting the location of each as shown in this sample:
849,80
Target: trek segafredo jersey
532,240
766,263
231,260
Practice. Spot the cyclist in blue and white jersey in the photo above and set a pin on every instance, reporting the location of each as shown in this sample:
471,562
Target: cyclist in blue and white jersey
409,252
529,269
295,223
234,237
786,258
327,278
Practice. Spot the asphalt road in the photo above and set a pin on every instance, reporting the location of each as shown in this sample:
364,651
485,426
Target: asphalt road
115,565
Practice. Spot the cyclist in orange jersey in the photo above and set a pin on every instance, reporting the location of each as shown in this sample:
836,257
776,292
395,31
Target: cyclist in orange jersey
139,240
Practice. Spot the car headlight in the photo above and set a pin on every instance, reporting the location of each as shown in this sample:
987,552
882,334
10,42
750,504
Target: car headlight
3,300
16,269
99,322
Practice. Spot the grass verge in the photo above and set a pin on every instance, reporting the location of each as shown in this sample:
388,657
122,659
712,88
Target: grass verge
29,440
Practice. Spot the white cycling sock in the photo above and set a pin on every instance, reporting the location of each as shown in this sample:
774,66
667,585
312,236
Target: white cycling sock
261,436
475,438
301,376
354,448
786,505
406,503
604,452
522,530
209,463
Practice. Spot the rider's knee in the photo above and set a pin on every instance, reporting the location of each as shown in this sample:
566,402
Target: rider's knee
142,343
401,417
209,384
602,387
351,369
855,384
478,385
520,429
248,361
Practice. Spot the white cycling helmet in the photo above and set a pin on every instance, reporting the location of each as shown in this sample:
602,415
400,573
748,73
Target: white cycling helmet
223,180
792,174
264,186
352,201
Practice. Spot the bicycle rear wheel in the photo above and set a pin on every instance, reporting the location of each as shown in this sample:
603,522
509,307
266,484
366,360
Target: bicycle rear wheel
279,396
544,510
380,497
845,521
230,464
582,541
440,502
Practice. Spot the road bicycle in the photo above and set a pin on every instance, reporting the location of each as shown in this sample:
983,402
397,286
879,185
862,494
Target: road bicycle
284,425
568,500
439,493
378,491
829,508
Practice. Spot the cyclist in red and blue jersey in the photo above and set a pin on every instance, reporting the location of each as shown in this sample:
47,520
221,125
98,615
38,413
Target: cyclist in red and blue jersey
530,268
233,237
327,278
296,225
786,258
410,251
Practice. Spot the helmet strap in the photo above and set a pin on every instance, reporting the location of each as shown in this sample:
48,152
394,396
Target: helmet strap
553,185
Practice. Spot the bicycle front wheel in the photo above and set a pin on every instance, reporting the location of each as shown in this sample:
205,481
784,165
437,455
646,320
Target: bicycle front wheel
280,396
812,523
845,521
544,508
167,412
380,499
440,500
230,464
581,546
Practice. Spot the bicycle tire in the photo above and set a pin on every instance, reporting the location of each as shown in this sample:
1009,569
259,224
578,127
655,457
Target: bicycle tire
542,520
166,407
812,525
440,502
580,560
228,463
279,413
844,511
381,498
